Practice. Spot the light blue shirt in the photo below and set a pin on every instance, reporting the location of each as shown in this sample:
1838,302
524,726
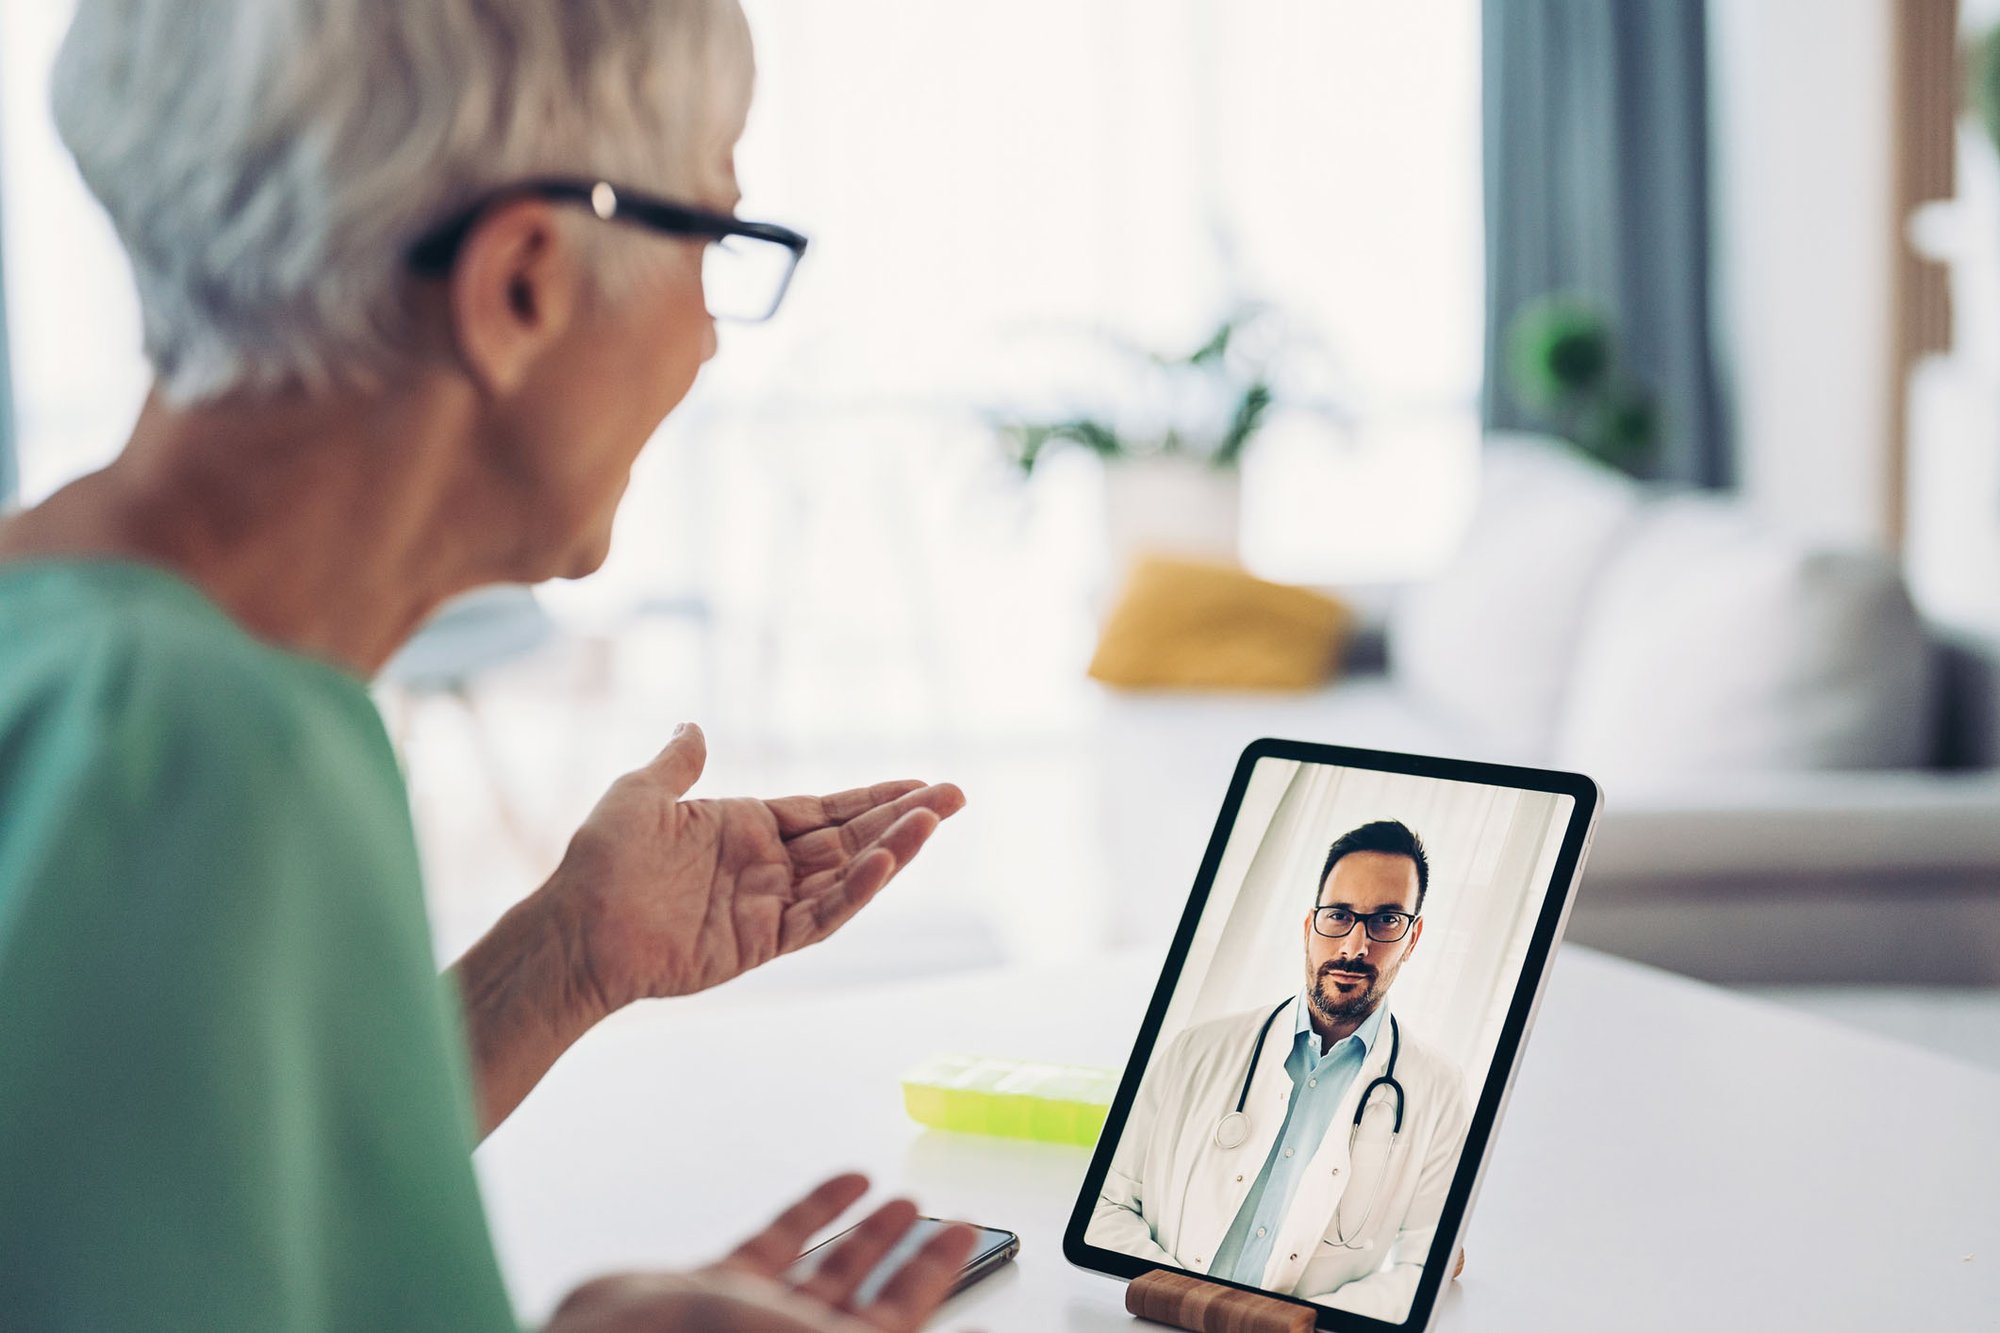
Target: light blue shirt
1318,1083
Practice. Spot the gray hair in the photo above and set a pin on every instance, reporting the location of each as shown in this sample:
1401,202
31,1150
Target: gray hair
268,163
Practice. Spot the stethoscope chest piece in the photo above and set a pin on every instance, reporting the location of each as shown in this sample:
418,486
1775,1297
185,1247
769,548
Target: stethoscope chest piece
1233,1130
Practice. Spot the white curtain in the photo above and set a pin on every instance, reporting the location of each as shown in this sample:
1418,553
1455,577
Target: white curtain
1491,852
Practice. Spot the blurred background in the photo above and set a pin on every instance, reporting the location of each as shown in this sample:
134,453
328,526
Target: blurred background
1619,385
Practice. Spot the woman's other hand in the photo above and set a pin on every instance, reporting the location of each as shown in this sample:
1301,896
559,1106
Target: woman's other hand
667,896
753,1290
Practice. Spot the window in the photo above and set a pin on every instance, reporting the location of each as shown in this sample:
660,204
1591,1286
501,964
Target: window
79,375
1137,166
974,178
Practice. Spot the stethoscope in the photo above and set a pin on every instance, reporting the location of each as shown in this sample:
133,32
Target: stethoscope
1233,1130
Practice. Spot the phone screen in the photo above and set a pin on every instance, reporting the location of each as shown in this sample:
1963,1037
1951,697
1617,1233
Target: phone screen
992,1245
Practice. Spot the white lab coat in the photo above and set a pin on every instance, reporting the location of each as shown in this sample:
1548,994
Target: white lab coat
1171,1193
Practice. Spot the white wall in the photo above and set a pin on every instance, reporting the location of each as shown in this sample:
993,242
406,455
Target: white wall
1802,140
1953,553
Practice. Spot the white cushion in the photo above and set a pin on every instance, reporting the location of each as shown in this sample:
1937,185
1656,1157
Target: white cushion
1487,643
1715,645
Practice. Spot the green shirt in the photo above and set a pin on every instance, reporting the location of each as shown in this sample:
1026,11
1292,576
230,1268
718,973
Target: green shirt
233,1089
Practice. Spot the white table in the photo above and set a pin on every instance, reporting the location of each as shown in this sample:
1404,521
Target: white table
1675,1156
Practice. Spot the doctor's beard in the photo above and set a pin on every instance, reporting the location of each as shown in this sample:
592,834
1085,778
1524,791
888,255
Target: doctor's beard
1337,1008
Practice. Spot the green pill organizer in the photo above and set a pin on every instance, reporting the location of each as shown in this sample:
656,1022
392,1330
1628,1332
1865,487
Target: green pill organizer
1015,1099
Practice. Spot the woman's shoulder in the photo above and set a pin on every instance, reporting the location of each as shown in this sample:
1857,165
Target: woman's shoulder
126,665
151,752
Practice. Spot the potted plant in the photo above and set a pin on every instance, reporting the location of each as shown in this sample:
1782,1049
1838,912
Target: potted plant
1172,443
1562,364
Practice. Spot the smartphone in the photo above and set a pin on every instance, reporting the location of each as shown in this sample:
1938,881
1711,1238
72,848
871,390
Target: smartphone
993,1248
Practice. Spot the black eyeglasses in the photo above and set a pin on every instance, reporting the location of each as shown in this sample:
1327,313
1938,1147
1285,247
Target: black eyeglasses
745,267
1383,927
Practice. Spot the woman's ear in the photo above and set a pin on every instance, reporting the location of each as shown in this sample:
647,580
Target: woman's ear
513,293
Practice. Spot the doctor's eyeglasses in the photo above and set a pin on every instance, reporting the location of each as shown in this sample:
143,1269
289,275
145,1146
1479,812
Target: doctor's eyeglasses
745,266
1382,927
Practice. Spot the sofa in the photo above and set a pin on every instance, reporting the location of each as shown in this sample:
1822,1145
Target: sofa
1802,774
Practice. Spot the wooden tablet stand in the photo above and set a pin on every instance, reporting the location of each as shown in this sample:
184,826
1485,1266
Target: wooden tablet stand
1209,1307
1167,1297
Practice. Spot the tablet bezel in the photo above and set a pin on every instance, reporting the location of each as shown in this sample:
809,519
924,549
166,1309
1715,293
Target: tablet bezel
1558,894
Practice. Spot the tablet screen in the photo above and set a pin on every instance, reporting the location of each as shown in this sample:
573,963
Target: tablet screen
1336,1008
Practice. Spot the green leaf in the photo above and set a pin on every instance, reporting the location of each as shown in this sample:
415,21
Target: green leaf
1025,442
1558,352
1216,347
1621,428
1243,423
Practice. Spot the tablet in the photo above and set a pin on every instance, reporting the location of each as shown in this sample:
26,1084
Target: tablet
1316,1085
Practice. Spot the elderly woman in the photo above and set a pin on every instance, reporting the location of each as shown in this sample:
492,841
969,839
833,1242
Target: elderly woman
419,280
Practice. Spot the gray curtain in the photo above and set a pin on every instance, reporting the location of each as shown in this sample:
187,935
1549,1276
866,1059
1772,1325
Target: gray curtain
1596,167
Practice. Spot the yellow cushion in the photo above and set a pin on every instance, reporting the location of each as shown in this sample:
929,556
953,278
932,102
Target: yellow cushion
1186,624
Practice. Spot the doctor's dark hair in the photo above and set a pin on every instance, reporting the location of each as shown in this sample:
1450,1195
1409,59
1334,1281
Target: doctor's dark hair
1384,835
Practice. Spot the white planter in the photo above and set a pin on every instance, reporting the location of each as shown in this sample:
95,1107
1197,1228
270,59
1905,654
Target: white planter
1170,505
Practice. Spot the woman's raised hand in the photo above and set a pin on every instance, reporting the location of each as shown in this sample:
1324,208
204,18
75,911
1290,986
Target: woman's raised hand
658,895
669,896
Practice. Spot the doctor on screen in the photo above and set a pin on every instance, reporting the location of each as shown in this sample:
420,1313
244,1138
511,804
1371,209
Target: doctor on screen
1262,1147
